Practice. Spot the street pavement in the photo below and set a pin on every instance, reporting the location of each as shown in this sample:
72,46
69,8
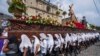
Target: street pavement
93,50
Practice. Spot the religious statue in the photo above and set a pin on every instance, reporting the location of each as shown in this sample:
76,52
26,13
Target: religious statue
71,13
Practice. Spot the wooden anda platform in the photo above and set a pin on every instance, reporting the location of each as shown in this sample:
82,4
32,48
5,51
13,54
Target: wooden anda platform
19,27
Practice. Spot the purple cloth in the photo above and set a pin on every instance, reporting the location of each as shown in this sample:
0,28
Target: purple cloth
1,44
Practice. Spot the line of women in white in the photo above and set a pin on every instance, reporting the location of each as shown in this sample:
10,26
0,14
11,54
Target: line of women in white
46,43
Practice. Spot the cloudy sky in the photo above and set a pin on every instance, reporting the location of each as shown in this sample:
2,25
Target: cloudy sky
81,8
4,7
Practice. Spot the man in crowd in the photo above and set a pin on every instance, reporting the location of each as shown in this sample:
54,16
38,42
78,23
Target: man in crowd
5,32
4,23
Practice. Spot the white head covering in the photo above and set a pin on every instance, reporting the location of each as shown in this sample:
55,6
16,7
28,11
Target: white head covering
43,43
42,35
67,38
25,42
56,35
5,32
51,42
61,38
50,37
36,42
58,40
74,37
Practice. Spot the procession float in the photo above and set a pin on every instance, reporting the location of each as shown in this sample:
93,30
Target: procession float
24,24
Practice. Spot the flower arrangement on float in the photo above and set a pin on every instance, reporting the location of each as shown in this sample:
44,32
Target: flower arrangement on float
70,24
44,21
74,24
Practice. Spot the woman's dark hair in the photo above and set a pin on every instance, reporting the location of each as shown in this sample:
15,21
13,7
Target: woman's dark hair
54,38
69,34
13,39
1,30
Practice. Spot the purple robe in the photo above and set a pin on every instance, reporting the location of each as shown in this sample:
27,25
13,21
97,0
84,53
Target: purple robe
1,44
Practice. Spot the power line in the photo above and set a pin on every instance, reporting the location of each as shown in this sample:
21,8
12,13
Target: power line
96,8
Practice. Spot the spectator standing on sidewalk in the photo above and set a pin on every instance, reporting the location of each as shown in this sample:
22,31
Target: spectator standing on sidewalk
4,23
2,43
12,46
5,32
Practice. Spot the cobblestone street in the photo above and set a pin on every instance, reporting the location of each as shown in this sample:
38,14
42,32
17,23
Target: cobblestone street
93,50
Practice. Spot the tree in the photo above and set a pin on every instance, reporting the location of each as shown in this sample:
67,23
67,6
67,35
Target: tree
92,26
57,13
98,27
64,13
17,7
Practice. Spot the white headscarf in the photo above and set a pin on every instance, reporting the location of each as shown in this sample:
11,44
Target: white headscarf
58,40
57,36
5,32
43,43
42,35
61,38
36,42
67,38
25,42
74,37
50,39
50,42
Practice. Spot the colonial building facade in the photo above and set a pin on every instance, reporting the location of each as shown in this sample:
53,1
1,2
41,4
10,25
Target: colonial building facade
43,8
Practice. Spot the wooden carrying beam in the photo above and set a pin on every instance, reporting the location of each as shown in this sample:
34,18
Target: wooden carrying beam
18,33
30,33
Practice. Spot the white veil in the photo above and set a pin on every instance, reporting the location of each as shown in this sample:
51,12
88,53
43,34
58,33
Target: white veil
36,42
42,36
25,42
51,42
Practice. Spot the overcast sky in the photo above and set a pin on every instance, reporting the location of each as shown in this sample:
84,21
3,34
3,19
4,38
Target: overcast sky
81,8
4,7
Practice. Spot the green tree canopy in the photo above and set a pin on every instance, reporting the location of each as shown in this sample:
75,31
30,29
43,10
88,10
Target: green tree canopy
17,5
